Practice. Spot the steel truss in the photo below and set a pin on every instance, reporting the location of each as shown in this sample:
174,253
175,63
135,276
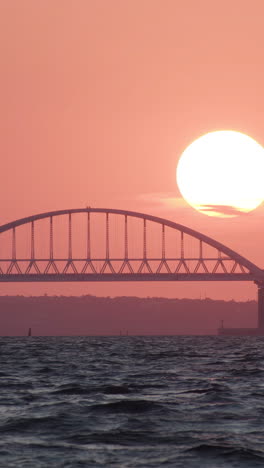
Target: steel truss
225,265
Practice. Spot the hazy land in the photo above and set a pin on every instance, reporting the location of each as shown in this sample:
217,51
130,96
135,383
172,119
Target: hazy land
91,315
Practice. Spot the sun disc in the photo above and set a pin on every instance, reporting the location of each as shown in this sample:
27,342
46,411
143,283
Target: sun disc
221,174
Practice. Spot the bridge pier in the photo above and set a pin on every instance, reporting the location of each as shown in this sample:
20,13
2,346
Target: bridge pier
260,286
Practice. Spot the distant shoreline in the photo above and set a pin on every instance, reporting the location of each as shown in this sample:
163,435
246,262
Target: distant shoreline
99,316
112,298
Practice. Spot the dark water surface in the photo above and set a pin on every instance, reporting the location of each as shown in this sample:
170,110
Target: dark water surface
132,402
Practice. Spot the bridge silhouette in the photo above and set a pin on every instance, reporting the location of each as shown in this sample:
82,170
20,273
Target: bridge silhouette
117,245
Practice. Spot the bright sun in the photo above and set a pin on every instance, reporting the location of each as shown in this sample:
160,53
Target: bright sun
222,174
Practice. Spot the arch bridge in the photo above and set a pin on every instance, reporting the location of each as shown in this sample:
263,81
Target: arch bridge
96,244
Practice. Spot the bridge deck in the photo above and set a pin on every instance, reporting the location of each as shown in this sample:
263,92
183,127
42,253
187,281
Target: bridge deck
108,277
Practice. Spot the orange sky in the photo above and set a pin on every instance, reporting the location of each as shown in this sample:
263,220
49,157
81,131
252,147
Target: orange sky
100,98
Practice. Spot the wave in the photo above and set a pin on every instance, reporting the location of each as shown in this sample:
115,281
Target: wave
127,406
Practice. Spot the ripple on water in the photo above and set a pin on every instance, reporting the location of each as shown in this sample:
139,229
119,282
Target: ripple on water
132,402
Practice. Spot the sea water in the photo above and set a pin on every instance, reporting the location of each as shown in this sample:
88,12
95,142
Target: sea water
178,401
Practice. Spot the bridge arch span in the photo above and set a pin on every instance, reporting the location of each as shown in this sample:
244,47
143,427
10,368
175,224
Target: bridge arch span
251,267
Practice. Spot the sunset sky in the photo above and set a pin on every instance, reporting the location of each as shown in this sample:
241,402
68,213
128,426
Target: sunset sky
100,98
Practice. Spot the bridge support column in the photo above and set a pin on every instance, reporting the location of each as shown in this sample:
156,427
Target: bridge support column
260,286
